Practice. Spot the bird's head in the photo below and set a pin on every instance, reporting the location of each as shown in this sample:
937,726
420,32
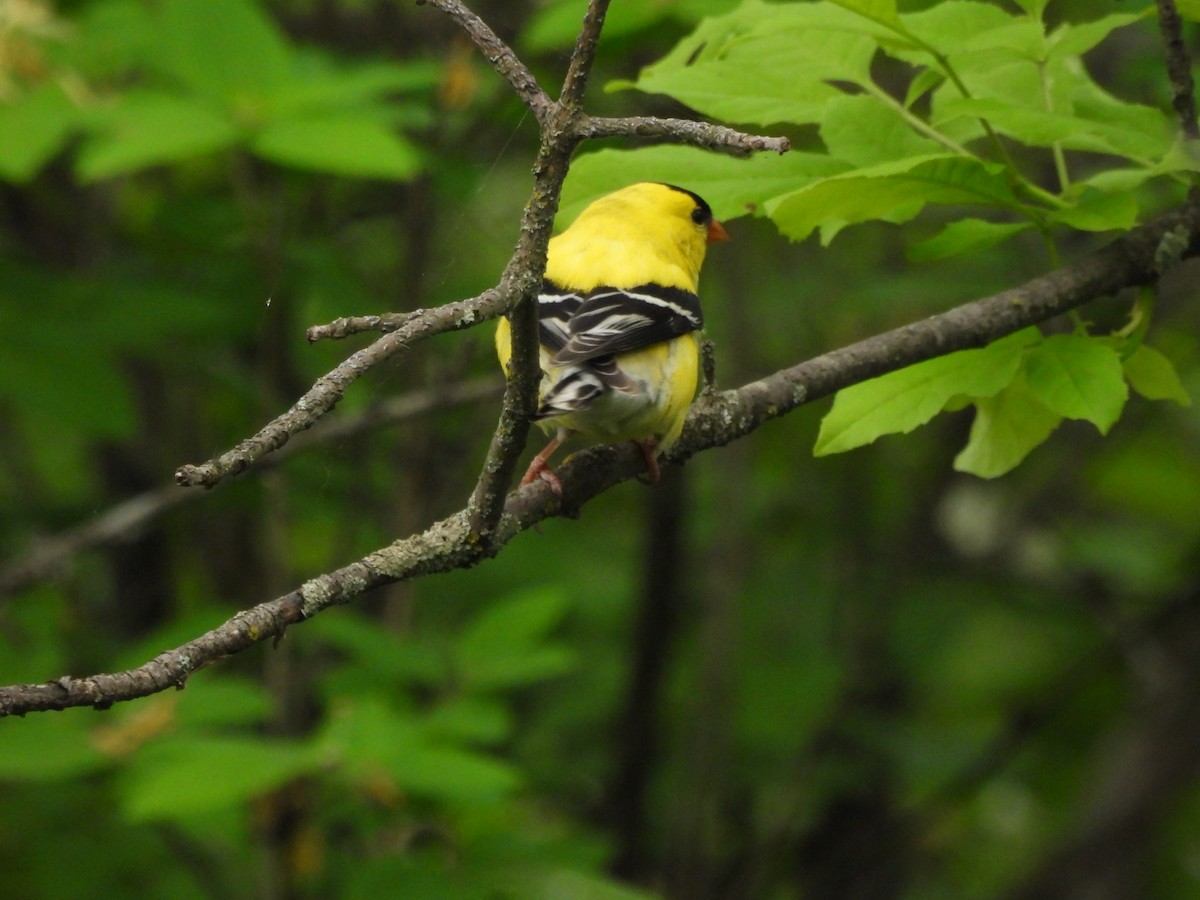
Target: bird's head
658,217
682,213
647,232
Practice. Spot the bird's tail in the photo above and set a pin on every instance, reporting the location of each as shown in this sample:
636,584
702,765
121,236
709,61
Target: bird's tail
577,387
575,391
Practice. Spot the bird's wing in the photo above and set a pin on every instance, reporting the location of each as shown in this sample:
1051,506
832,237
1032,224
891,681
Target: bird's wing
556,306
614,320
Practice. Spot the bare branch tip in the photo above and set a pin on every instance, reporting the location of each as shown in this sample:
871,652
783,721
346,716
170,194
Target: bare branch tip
205,476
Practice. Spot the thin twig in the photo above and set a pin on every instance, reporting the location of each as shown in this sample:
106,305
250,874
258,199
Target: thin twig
584,54
520,397
329,389
717,138
502,58
132,516
559,138
351,325
120,523
562,128
1139,257
1179,68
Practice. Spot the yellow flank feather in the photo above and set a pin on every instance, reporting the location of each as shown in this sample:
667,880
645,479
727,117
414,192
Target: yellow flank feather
619,308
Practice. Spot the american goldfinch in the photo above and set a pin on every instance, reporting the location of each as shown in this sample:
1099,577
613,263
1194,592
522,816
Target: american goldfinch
617,320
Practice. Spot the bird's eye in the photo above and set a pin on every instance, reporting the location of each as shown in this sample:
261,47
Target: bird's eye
699,216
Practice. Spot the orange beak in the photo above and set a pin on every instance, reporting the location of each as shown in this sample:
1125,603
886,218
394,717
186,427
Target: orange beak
717,232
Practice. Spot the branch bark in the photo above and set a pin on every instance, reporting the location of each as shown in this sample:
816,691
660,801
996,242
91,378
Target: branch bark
134,515
494,516
1137,258
563,127
329,389
502,58
1179,68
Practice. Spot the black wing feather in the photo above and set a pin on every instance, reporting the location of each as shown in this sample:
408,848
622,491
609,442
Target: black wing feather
616,320
556,307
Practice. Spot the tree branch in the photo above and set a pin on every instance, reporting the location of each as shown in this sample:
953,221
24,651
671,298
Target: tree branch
563,126
1179,68
133,515
1139,257
1136,258
494,517
331,387
559,138
351,325
717,138
583,56
502,58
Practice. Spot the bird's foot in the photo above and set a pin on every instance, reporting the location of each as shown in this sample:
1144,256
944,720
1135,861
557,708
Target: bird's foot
540,469
649,450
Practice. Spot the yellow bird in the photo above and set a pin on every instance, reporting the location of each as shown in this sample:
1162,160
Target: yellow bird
618,315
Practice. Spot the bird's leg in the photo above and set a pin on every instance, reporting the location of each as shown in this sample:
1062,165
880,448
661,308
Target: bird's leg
648,448
540,467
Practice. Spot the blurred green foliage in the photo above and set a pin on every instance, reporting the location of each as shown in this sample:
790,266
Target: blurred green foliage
863,674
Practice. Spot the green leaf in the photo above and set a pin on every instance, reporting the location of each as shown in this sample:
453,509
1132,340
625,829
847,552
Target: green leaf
881,11
767,63
113,38
900,401
949,27
1112,181
379,655
556,25
927,79
1007,427
473,720
1021,37
1153,376
180,777
355,146
733,187
316,87
1189,9
453,775
863,130
1038,128
148,128
1078,377
1129,129
893,192
965,236
366,736
1071,39
1098,210
225,701
523,620
506,645
32,130
1031,126
1033,8
227,51
46,747
995,57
